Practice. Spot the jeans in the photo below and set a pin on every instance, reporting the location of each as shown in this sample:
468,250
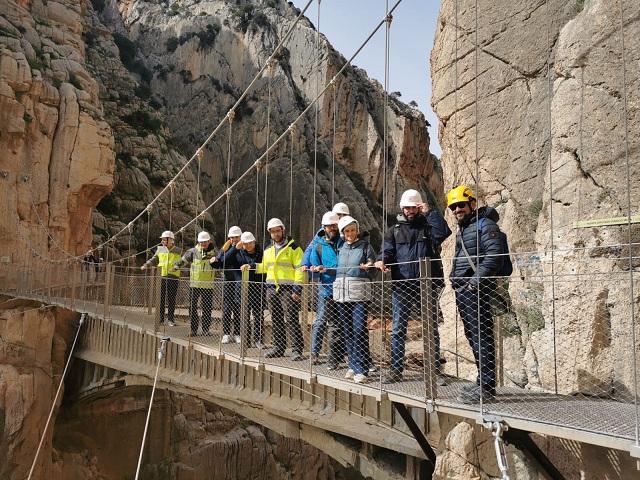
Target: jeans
327,315
168,292
479,332
284,311
356,334
404,298
230,308
206,296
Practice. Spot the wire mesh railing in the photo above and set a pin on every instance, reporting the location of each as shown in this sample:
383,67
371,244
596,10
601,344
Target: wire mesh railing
489,346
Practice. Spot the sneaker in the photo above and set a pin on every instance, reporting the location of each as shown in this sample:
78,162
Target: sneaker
393,376
226,339
332,366
360,378
349,375
237,338
296,357
171,324
373,369
472,396
441,381
315,359
273,353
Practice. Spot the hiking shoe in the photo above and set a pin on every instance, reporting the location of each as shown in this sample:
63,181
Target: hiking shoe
315,359
441,381
393,376
226,339
373,369
472,396
296,357
332,366
349,375
360,378
273,353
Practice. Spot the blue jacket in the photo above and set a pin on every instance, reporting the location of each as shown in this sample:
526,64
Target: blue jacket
227,261
328,258
306,258
411,241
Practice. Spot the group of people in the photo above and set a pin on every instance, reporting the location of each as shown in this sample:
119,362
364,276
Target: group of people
343,262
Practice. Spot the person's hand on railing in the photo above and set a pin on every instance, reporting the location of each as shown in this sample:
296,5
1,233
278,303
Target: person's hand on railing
245,268
380,265
319,269
304,268
366,266
143,267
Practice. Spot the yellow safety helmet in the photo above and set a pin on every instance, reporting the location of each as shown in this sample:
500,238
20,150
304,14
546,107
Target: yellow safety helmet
461,193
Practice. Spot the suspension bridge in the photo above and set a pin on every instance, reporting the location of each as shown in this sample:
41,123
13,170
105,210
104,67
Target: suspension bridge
121,337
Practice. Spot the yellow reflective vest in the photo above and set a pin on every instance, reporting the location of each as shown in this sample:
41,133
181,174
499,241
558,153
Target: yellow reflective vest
201,273
283,268
166,258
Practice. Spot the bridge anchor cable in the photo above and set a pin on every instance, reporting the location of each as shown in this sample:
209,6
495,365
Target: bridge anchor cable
497,429
55,399
161,352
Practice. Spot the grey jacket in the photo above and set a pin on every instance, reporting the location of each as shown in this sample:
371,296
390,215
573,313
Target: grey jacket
352,283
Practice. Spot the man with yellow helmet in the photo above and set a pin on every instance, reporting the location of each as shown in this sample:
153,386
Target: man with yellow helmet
477,259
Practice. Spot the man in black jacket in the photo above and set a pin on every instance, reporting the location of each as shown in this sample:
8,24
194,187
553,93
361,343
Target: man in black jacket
418,234
471,279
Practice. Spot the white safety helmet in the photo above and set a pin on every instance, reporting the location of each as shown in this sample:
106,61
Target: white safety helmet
168,234
346,221
341,209
273,223
330,218
247,237
204,237
234,232
410,198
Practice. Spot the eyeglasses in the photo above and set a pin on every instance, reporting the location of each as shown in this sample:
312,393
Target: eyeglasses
454,206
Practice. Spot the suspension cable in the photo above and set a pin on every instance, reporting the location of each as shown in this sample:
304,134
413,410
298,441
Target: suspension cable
55,398
333,145
199,155
161,351
266,163
629,228
550,141
315,128
292,130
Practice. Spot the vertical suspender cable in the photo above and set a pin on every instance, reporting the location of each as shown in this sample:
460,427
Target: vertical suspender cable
550,140
625,121
455,140
292,130
170,204
257,200
315,130
199,155
385,159
266,161
55,398
161,350
477,175
333,150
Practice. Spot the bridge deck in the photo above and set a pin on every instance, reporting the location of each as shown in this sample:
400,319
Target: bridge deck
595,421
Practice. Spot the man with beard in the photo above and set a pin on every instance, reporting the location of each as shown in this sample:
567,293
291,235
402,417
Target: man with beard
324,261
477,259
281,264
418,234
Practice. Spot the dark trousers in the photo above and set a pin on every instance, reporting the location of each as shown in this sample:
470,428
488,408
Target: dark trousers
257,303
285,311
206,296
230,308
168,292
405,299
479,332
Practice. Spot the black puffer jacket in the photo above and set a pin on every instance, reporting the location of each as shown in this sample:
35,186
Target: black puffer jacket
491,248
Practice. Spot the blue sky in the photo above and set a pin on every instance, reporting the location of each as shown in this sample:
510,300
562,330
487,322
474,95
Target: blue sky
346,23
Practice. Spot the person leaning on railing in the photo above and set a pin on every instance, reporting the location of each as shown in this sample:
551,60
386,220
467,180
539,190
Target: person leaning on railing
418,234
248,253
167,254
470,278
351,293
281,264
201,276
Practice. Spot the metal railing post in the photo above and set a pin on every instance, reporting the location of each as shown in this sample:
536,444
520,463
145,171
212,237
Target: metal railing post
244,313
428,314
73,285
157,287
304,309
107,288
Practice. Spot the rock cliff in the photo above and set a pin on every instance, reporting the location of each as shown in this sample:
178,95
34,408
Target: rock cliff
549,96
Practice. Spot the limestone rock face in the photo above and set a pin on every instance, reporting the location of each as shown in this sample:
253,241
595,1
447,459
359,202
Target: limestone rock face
57,158
188,438
196,57
32,357
550,97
